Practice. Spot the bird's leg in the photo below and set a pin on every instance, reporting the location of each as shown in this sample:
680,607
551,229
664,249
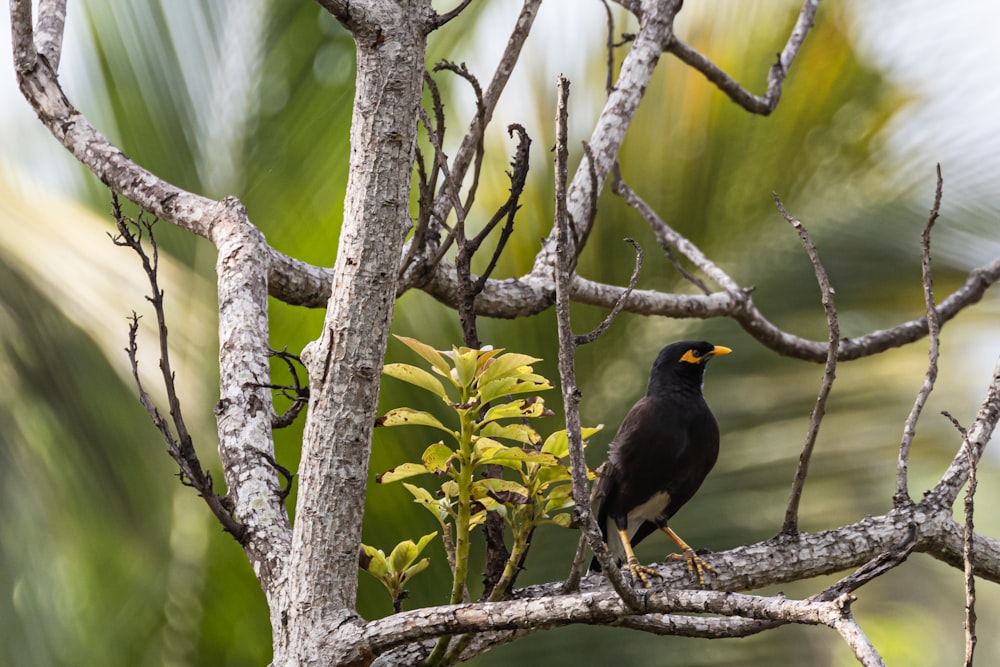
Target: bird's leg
638,571
695,565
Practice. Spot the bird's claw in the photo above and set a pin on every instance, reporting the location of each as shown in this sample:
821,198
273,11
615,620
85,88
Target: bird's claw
641,573
695,565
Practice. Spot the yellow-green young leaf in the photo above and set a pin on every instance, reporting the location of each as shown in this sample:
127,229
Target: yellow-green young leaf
563,520
517,432
436,458
559,498
435,358
482,447
411,417
550,474
501,490
509,386
512,457
450,489
495,389
477,519
419,567
423,541
508,365
465,365
416,376
522,408
485,355
423,497
403,556
376,564
402,471
420,494
557,444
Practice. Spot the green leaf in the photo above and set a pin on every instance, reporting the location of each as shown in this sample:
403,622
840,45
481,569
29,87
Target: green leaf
517,432
550,474
425,540
509,386
376,564
502,490
421,496
411,417
522,408
415,569
437,457
402,556
435,358
507,365
416,376
485,355
563,520
402,471
513,457
495,389
557,444
465,365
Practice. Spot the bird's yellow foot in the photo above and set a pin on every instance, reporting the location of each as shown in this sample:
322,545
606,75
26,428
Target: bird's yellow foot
640,572
696,566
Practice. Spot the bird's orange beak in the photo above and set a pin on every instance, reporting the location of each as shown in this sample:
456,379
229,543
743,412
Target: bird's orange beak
719,350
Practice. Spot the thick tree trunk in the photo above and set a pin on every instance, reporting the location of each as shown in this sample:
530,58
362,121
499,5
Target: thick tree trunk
345,363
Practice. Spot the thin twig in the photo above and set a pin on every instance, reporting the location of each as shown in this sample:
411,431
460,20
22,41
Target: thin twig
583,339
902,495
667,237
968,562
518,177
791,525
766,103
609,48
440,19
567,372
180,444
296,392
463,72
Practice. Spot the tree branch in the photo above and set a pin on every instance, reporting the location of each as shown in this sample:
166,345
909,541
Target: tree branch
769,101
902,494
791,524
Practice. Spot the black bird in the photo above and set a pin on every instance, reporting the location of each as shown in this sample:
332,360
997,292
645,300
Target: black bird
664,449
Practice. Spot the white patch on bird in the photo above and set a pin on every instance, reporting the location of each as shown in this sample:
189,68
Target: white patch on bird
647,511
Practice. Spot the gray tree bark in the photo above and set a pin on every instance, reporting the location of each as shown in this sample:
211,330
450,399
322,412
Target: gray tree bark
308,570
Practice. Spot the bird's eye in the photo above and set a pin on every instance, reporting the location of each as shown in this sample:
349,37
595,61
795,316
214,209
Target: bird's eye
696,354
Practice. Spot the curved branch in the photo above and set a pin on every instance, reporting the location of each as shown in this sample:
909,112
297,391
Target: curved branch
767,103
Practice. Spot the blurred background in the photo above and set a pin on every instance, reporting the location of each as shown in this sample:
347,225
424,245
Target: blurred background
105,559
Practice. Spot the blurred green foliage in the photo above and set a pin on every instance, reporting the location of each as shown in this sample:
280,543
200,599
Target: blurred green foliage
106,560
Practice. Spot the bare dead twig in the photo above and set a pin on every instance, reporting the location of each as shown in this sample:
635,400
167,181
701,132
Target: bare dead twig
567,352
902,495
296,392
968,561
518,177
583,339
609,48
285,473
668,238
180,444
463,72
439,20
791,526
766,103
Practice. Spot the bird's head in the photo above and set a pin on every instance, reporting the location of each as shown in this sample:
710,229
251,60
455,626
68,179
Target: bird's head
682,363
